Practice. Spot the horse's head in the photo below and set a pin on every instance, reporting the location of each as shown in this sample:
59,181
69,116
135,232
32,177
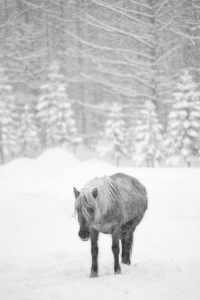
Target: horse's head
85,215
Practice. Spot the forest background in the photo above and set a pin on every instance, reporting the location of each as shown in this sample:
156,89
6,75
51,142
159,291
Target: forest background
118,77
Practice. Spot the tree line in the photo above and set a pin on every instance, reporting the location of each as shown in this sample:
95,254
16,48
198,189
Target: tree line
51,122
127,52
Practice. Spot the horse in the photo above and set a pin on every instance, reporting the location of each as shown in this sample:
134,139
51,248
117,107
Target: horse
112,205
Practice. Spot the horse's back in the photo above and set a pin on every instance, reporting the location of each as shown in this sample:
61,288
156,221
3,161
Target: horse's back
134,195
128,182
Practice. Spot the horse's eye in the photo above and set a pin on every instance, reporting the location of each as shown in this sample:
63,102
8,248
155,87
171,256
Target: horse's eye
90,210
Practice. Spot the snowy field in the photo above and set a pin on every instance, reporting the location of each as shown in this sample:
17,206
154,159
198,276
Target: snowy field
42,257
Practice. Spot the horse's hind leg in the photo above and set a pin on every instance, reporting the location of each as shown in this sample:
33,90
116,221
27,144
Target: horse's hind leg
128,247
123,235
116,249
127,241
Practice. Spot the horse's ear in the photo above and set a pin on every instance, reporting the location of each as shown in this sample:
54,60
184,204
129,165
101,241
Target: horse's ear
95,193
76,193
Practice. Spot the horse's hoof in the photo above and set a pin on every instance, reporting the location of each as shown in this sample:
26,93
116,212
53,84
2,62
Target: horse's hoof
118,272
126,262
93,275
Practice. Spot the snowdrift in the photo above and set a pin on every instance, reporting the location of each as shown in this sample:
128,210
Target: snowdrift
52,160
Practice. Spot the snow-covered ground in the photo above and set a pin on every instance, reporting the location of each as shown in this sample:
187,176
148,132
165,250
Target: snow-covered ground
42,257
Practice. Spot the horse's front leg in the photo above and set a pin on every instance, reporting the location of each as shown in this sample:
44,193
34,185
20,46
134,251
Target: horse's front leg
94,251
116,250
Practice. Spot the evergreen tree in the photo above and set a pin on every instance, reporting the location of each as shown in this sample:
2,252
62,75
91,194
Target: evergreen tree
148,137
54,111
29,138
130,140
115,134
66,127
9,118
184,122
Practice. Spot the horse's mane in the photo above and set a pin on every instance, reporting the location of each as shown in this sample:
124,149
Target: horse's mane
108,193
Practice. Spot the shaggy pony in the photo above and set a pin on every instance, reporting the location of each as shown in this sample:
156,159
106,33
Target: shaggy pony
111,204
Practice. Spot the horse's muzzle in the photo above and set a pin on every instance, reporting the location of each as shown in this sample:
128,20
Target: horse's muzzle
84,235
85,239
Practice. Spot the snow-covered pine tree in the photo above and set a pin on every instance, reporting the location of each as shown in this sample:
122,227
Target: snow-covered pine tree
29,138
182,138
9,118
66,127
130,139
54,111
148,137
115,134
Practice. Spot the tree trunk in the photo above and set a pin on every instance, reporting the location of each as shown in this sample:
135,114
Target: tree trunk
188,164
48,35
80,68
1,155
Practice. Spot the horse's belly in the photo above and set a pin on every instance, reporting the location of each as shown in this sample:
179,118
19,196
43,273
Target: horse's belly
104,228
